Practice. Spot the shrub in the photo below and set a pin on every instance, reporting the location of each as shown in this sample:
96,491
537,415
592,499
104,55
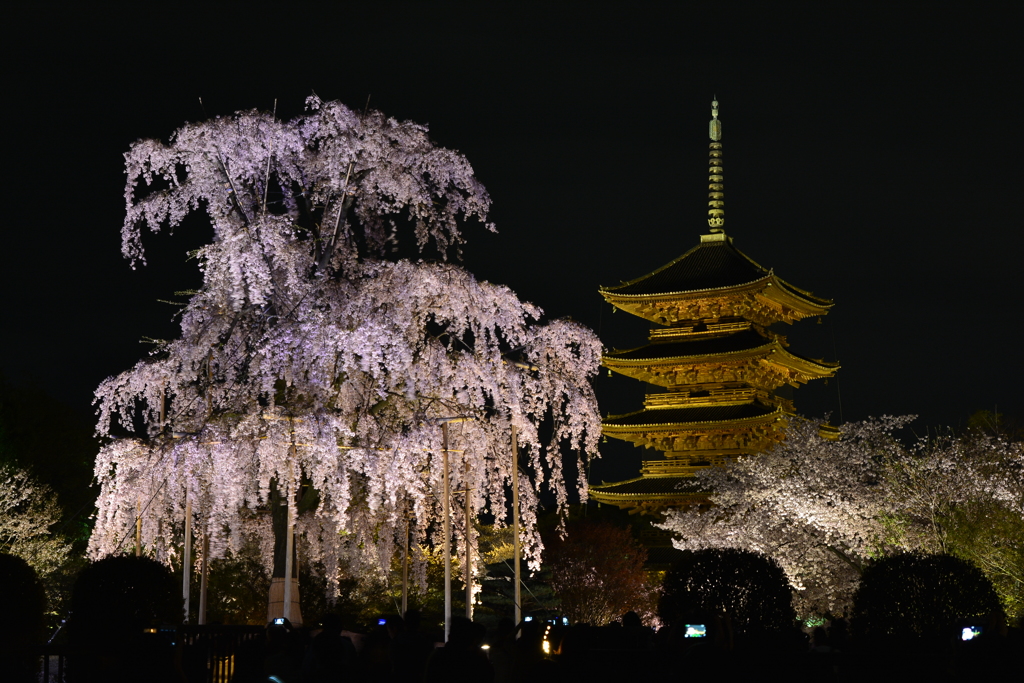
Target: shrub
748,587
918,595
22,631
124,594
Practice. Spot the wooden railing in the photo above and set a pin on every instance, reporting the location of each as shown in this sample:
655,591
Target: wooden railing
209,654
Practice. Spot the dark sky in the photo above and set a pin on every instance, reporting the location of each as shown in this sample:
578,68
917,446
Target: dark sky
872,156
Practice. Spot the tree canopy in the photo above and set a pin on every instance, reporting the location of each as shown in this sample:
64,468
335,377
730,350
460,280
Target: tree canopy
824,508
28,513
747,587
597,572
916,594
310,362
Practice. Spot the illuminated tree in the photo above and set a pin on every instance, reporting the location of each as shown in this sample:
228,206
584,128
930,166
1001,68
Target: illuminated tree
963,496
312,371
813,504
824,508
28,512
597,572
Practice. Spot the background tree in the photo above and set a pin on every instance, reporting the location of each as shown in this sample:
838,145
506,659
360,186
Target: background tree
963,496
55,445
597,573
824,508
813,504
28,513
312,369
748,587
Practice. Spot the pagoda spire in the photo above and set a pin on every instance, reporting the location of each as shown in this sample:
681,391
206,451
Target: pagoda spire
716,182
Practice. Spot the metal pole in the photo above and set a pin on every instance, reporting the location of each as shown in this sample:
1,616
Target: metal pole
447,531
469,549
405,572
515,524
186,567
204,579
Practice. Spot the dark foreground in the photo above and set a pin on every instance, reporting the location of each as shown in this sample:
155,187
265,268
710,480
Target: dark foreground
219,654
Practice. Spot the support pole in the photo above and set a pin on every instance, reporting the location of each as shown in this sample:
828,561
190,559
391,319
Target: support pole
186,565
405,572
447,531
515,525
204,579
469,549
289,549
138,527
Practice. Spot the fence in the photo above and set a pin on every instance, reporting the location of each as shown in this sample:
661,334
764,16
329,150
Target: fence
208,654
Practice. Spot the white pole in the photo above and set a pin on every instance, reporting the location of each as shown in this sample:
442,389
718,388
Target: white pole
469,550
447,530
515,524
204,579
138,527
405,572
289,547
186,567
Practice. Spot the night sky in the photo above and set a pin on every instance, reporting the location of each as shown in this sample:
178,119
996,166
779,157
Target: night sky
872,156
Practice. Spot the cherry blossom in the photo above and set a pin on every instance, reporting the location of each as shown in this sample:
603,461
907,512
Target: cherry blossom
311,364
822,508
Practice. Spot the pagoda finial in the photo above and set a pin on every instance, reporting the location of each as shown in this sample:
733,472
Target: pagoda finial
716,186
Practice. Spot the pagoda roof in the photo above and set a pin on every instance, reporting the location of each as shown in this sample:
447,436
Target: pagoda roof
680,348
658,417
648,486
650,495
748,340
713,264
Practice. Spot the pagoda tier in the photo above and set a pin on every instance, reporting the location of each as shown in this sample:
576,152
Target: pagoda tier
700,433
650,495
745,357
711,282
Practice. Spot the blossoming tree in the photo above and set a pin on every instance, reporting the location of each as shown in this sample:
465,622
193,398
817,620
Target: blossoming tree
822,508
28,511
313,373
811,503
964,496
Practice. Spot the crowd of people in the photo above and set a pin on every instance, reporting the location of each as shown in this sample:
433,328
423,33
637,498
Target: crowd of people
399,650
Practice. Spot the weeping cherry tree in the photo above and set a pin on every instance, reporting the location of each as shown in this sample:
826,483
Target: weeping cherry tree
312,373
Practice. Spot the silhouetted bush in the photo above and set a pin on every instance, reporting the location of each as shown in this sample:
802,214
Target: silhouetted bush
118,605
748,587
21,630
918,595
126,594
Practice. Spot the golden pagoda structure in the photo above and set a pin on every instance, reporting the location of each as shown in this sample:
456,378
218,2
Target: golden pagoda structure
713,352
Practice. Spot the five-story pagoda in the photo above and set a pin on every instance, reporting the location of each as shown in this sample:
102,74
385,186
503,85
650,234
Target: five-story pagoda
714,354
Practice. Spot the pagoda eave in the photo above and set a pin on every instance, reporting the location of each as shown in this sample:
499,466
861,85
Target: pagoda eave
738,435
655,496
733,423
763,301
771,362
